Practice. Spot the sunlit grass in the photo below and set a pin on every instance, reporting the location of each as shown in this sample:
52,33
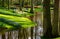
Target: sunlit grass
57,38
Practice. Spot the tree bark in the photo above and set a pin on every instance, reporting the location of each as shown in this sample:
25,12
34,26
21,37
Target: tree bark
20,5
59,17
2,3
8,4
55,18
10,35
47,27
32,4
3,35
20,35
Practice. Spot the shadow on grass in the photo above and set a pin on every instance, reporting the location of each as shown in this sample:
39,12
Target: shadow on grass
56,37
46,38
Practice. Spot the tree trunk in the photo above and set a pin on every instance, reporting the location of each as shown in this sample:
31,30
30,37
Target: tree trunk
59,17
8,4
31,32
32,11
20,35
2,3
10,35
47,27
20,5
3,36
32,4
55,18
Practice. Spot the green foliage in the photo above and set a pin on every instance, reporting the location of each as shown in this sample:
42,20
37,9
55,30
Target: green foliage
9,22
6,26
38,9
13,20
9,12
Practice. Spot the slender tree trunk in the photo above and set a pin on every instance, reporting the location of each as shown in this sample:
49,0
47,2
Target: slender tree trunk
59,17
3,36
31,17
47,27
32,11
31,32
11,2
32,4
2,3
10,35
25,34
20,35
55,18
36,16
8,4
20,5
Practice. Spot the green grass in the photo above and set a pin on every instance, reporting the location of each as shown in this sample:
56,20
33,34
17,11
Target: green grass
50,38
57,38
